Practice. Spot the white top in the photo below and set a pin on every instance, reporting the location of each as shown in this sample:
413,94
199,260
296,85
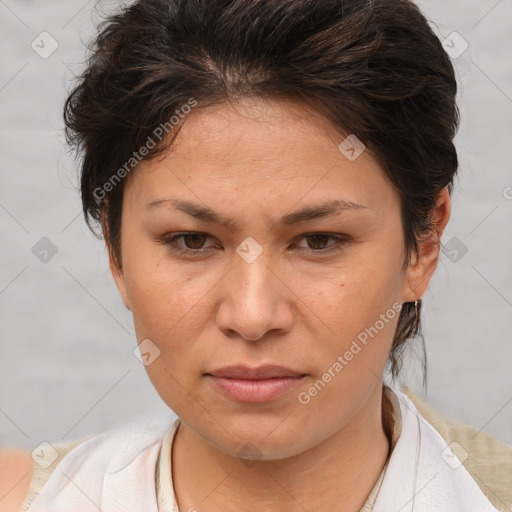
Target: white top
115,472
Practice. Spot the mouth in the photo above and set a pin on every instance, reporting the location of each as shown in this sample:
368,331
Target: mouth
254,385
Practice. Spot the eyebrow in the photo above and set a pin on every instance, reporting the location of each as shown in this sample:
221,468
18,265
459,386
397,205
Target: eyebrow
205,213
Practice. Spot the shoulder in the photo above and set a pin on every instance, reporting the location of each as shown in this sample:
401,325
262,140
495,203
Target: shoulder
130,446
23,474
486,458
15,477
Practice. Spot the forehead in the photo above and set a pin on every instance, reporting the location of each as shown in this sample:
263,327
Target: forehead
276,150
256,131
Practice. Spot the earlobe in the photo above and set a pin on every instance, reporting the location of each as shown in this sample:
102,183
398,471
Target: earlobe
424,264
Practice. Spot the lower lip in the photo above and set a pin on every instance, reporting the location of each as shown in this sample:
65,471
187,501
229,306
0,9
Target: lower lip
255,391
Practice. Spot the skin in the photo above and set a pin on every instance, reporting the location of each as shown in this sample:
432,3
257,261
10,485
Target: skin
16,468
297,304
254,161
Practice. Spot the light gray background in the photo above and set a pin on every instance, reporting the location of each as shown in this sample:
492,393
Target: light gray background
66,362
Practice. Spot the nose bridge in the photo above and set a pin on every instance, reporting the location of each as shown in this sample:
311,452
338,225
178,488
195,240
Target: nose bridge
254,301
254,289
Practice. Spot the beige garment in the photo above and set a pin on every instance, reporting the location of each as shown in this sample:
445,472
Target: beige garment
488,460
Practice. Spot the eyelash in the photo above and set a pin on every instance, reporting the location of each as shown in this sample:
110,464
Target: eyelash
170,239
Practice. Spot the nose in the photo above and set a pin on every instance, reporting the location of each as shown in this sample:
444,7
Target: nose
254,300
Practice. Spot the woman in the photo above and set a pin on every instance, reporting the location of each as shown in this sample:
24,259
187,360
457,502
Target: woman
272,180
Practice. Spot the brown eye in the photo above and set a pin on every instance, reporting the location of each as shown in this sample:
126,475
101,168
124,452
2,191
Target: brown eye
194,240
190,244
318,241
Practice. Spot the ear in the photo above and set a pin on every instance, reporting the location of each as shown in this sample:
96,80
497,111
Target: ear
118,275
115,265
423,265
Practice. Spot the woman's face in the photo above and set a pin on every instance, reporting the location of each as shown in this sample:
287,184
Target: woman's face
262,289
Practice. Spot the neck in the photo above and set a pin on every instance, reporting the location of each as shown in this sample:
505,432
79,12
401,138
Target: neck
337,474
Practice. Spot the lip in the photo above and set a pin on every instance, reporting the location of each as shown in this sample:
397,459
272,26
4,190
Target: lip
254,385
241,371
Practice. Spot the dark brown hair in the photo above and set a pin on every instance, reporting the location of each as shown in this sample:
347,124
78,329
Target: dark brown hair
373,67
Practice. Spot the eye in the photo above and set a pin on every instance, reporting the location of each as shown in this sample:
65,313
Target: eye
193,241
318,241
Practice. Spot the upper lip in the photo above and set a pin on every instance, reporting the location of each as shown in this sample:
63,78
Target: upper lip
261,372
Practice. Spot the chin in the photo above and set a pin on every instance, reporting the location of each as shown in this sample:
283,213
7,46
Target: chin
258,438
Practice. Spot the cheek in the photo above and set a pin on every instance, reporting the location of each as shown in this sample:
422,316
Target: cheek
170,309
163,296
354,297
361,314
165,303
361,322
360,305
